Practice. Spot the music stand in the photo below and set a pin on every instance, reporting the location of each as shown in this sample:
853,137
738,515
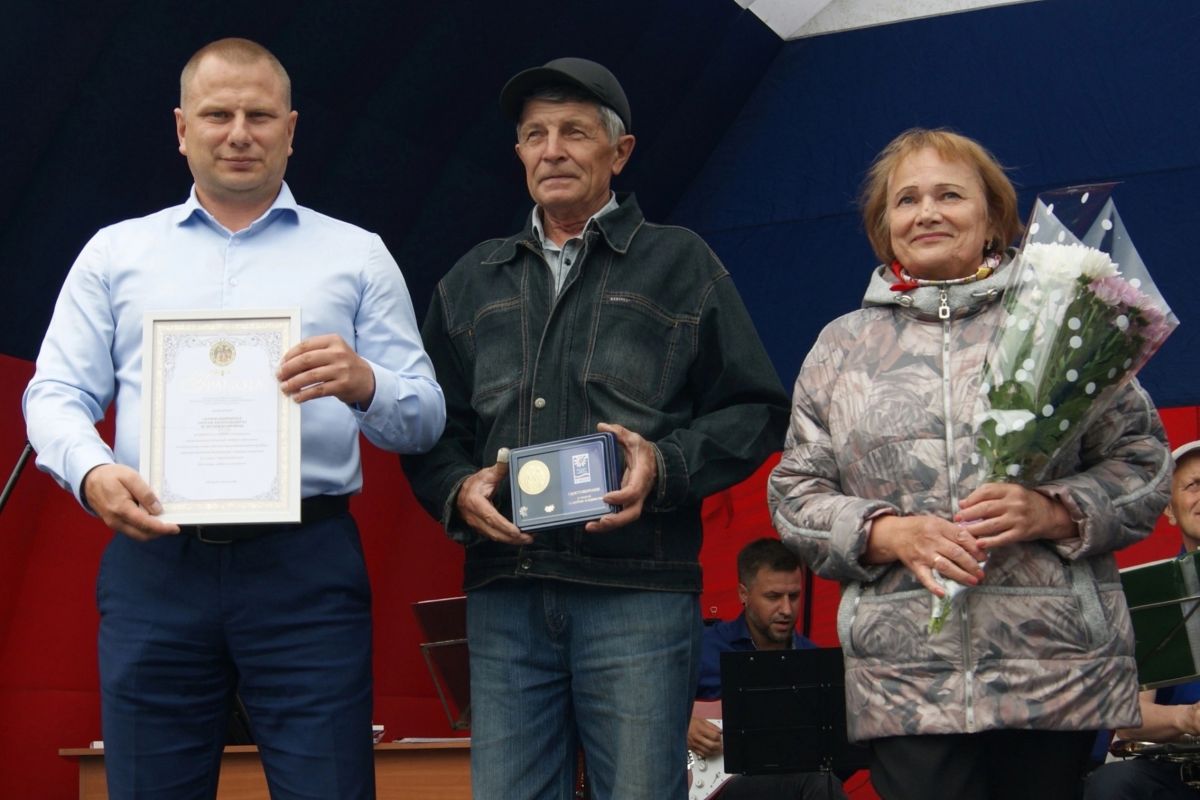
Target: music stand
785,711
444,622
1163,600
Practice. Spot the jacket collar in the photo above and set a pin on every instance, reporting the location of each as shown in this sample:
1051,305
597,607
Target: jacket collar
963,299
617,227
739,631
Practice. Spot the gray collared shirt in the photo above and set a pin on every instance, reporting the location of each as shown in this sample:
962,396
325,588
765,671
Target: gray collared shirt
560,259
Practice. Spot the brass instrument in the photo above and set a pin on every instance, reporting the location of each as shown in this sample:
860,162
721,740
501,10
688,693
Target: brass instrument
1185,753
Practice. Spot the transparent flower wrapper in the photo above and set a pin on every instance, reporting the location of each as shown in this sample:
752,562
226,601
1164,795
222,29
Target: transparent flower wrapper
1082,316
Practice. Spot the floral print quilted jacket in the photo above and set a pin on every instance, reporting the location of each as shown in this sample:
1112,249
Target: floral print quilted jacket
882,424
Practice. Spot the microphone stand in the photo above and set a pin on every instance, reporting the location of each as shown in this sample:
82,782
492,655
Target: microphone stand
16,473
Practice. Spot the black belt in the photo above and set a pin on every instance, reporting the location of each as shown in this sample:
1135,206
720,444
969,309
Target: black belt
312,509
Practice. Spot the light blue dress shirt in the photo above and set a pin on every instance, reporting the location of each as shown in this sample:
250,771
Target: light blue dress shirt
341,277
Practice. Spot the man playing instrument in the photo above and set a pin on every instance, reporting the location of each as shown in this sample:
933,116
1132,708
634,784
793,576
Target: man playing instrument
1170,714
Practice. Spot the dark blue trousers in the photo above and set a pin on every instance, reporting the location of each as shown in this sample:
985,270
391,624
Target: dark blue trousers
284,620
1139,779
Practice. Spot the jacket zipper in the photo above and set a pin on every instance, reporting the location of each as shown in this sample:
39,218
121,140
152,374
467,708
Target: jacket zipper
952,486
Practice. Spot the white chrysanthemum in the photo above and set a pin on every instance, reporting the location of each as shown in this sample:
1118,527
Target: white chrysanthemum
1006,419
1065,262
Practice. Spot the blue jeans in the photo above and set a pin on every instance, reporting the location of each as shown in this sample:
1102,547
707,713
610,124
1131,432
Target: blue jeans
557,665
284,619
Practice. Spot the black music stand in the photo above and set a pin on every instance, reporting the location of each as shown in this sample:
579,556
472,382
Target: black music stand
444,622
785,711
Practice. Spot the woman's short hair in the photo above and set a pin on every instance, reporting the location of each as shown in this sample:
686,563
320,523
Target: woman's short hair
1003,221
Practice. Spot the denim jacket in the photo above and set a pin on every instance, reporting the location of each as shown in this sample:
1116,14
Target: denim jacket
648,332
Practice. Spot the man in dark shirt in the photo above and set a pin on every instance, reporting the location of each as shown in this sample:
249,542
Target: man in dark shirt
1172,713
770,582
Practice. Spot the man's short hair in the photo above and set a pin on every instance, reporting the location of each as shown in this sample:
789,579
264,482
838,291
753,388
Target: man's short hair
766,552
235,51
609,119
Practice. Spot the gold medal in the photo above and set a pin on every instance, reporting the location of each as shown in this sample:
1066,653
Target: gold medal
533,477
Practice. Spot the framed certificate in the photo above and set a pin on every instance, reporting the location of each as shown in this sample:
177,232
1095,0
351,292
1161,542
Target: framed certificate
561,483
220,441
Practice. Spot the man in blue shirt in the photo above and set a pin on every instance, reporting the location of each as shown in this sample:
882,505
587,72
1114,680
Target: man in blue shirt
278,613
1170,714
770,583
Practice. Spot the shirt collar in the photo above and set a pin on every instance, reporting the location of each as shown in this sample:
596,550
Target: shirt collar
540,232
741,629
285,204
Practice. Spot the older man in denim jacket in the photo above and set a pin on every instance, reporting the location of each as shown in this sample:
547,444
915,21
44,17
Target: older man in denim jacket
588,319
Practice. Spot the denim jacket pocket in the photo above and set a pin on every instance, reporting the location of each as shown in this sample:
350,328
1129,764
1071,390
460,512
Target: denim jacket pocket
649,365
641,539
498,360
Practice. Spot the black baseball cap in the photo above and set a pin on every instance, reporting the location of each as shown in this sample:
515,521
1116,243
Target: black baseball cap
579,73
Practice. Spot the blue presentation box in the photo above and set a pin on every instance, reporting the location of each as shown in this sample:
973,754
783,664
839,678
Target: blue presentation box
562,483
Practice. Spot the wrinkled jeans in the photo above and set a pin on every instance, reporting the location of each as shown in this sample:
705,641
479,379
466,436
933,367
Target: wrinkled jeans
556,666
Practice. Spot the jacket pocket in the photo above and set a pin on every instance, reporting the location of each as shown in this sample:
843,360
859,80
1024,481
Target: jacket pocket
1095,621
641,539
894,627
499,345
636,350
1011,623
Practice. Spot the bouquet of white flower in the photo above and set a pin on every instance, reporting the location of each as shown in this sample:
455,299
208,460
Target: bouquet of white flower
1081,318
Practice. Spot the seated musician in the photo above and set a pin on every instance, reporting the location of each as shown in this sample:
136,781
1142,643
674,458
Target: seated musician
1171,714
769,585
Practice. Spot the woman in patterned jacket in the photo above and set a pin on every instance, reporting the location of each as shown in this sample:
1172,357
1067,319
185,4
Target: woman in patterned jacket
876,489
